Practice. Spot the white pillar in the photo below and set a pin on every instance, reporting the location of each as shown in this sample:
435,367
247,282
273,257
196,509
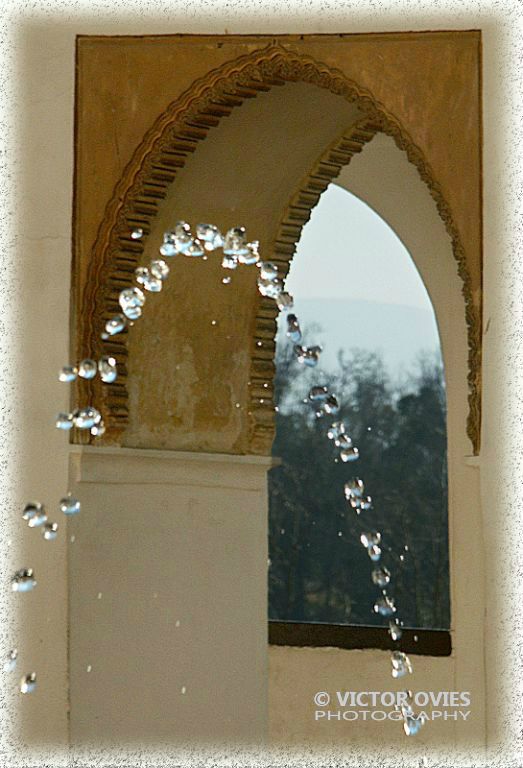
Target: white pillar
168,596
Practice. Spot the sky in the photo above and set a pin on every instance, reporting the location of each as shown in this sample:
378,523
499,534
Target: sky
354,277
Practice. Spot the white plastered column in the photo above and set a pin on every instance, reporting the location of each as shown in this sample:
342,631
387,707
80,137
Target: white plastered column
168,597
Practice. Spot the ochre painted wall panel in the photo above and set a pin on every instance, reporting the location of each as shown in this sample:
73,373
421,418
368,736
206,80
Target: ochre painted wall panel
135,93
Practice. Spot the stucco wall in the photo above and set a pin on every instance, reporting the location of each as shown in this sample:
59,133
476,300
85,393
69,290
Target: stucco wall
167,596
44,77
185,374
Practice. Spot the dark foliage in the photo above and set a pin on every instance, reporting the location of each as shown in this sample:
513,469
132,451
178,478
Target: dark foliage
319,569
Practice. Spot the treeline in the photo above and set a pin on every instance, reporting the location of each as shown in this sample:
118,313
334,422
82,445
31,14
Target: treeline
319,569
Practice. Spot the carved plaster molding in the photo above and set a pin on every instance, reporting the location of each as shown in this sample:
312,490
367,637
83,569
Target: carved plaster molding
154,166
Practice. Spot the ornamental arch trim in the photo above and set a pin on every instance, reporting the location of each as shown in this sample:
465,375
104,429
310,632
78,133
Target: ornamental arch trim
154,166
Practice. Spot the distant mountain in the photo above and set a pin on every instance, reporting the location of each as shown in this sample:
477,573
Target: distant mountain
398,332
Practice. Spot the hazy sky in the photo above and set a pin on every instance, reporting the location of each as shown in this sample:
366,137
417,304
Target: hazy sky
347,251
354,277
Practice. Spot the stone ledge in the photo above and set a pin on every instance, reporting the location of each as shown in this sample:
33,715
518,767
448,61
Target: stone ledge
135,466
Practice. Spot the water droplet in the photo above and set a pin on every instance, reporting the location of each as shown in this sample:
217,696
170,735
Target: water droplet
340,533
234,242
28,683
370,537
384,606
133,313
253,254
336,430
238,405
268,270
349,454
68,373
147,280
412,725
115,325
371,541
181,236
183,690
318,394
401,664
259,343
381,577
50,531
131,299
159,269
34,514
308,356
72,539
210,236
344,441
98,430
269,288
23,581
10,662
195,250
99,596
213,322
85,418
284,301
168,247
177,623
406,704
402,558
69,505
395,630
229,262
226,280
64,421
354,488
137,233
293,329
87,368
107,369
153,284
331,405
89,668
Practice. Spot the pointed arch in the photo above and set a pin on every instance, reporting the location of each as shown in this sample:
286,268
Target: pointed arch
154,166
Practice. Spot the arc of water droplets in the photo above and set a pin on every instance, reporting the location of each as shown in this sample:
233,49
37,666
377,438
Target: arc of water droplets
326,403
236,250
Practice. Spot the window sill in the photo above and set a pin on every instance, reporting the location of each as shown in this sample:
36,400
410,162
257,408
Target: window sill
430,642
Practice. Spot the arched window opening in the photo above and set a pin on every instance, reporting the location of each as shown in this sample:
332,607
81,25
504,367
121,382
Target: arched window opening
358,293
